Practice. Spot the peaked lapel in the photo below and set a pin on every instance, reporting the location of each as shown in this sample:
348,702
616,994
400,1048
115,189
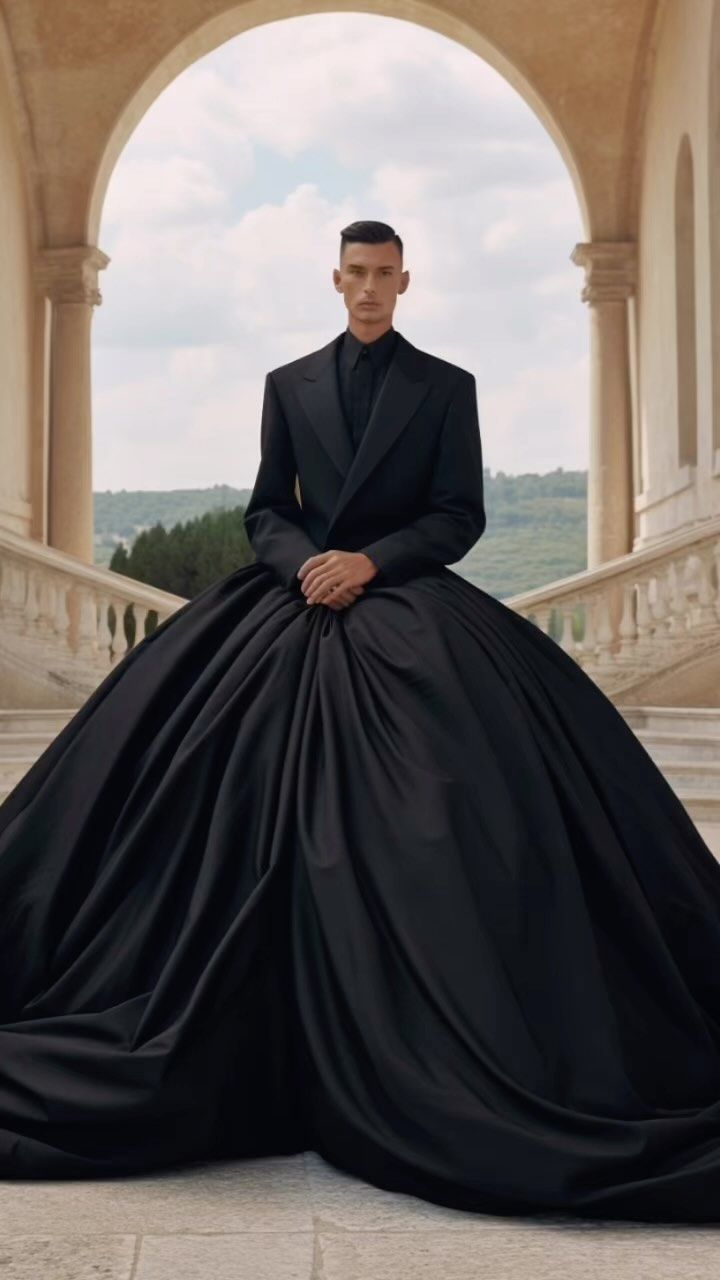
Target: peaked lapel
406,384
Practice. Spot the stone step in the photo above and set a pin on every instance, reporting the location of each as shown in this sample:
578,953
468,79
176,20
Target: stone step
19,721
665,745
701,806
684,742
710,832
703,721
12,769
24,735
27,745
699,777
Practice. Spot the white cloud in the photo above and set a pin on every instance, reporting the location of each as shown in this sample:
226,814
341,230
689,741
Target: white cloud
197,113
189,423
222,221
531,421
501,233
175,189
559,284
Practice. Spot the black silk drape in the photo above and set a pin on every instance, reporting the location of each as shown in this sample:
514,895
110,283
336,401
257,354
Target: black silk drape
397,884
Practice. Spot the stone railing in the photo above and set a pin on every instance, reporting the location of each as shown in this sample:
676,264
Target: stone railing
56,609
638,614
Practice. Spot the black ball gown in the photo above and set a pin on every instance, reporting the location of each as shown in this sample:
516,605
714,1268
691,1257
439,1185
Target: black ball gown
396,883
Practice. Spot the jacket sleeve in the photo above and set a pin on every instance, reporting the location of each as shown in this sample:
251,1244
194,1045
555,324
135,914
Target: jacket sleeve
273,516
455,518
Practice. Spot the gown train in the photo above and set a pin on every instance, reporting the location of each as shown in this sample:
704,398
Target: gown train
398,884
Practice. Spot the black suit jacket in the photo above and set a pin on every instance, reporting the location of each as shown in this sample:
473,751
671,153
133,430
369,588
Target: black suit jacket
411,497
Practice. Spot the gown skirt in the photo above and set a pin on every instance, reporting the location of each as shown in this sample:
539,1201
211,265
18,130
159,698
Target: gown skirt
397,884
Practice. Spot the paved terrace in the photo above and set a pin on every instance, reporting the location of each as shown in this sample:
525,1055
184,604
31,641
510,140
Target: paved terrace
298,1218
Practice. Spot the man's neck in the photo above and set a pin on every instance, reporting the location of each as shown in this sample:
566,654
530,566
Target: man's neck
367,332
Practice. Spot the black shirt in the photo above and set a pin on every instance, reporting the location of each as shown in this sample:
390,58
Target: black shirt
380,350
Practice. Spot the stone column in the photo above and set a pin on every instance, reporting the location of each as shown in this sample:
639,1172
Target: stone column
610,278
68,277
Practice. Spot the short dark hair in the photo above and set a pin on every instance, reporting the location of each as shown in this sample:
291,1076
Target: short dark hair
369,233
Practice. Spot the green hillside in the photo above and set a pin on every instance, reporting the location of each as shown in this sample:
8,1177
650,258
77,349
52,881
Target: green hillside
120,515
536,525
536,532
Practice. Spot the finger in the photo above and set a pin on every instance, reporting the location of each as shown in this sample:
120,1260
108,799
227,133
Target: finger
315,578
324,589
308,568
320,594
337,597
321,570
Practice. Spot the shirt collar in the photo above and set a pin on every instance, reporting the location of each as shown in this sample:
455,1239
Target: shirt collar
380,348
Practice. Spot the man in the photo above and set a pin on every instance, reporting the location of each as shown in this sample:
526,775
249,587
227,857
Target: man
392,459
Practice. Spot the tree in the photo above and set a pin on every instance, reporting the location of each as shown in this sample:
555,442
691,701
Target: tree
191,555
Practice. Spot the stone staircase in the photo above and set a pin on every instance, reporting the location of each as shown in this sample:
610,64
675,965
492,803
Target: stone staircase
684,742
23,736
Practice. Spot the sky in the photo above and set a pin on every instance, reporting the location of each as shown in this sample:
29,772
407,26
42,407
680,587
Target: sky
222,221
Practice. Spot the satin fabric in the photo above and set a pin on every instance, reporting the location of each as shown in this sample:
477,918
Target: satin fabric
397,884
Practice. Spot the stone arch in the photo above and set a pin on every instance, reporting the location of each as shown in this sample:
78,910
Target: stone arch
685,309
243,17
23,129
713,161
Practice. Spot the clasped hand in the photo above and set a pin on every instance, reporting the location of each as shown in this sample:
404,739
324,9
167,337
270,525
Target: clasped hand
335,578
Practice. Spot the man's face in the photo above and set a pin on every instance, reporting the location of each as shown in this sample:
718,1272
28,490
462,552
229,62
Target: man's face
370,277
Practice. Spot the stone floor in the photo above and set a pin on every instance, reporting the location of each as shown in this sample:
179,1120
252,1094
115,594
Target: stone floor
298,1218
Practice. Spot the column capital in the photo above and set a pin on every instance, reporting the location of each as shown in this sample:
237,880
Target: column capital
610,269
70,274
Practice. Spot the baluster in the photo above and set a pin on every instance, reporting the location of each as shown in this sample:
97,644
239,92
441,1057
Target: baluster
703,615
104,634
13,596
48,587
588,644
5,594
542,615
716,557
141,612
20,579
677,621
643,620
31,612
566,639
659,610
120,644
61,615
627,629
605,635
86,644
